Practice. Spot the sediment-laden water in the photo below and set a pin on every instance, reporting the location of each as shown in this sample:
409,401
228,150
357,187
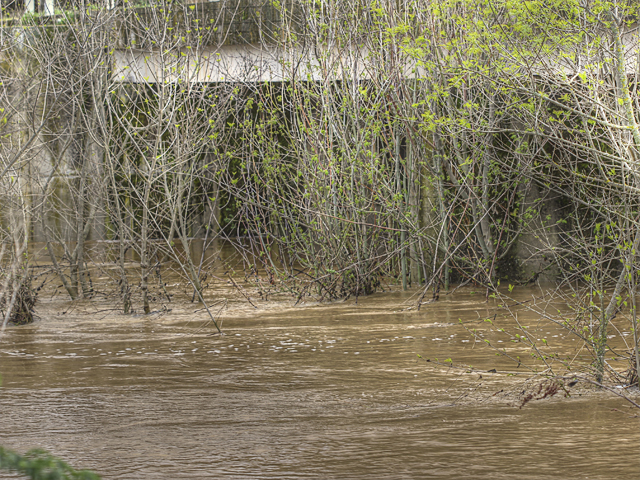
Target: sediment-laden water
320,391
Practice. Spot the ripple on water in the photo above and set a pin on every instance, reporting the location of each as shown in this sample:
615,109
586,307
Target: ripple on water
304,393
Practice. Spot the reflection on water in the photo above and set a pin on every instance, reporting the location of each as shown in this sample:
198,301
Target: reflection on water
331,391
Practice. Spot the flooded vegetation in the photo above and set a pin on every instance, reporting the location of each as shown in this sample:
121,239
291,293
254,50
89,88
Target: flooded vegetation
334,239
330,391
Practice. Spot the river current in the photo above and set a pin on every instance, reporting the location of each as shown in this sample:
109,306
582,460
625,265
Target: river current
313,391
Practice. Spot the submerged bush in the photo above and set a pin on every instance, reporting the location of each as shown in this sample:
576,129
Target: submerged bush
22,306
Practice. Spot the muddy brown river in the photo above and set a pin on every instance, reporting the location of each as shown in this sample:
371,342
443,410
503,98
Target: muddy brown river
319,391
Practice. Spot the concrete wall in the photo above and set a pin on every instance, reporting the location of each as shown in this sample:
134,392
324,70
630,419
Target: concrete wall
535,248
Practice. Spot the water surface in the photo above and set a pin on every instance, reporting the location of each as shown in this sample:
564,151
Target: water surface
324,391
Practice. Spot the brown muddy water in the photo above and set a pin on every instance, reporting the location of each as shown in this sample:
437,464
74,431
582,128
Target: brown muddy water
319,391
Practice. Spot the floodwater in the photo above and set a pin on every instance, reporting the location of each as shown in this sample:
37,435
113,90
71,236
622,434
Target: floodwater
318,391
